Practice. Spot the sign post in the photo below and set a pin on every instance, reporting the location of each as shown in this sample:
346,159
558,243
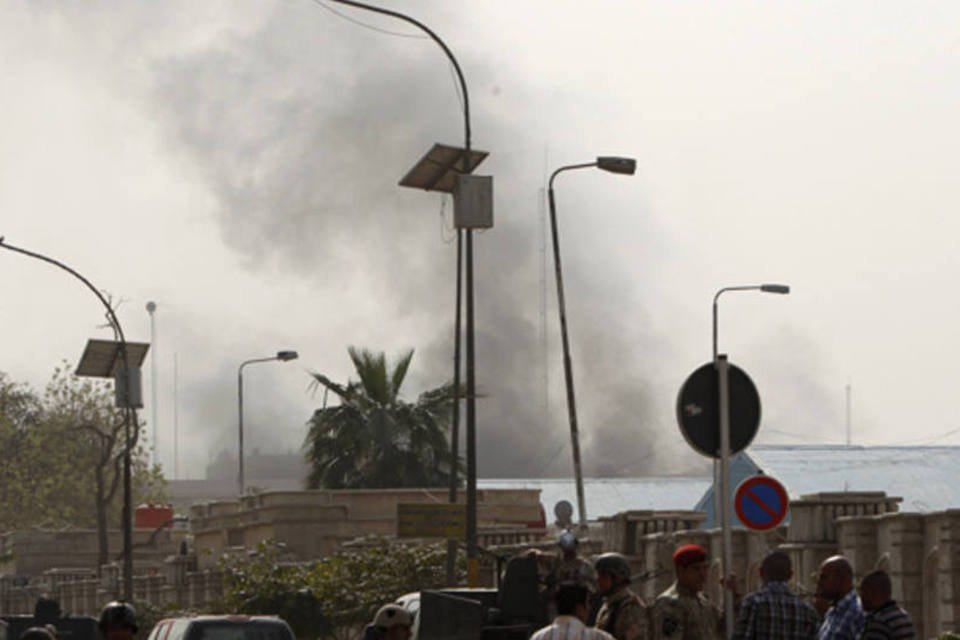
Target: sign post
718,409
723,375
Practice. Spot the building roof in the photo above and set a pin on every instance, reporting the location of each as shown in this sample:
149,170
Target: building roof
924,476
607,496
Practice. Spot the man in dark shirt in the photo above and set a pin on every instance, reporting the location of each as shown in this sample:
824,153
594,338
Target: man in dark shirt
885,619
775,612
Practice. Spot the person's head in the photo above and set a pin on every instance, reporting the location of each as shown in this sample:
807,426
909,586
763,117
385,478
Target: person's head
875,590
692,566
571,600
613,572
776,567
118,621
567,541
393,622
46,610
38,633
836,578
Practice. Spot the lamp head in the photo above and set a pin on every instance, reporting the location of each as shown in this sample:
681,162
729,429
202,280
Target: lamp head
616,164
775,288
287,355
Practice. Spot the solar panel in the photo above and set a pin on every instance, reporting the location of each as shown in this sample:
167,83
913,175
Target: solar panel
102,358
439,168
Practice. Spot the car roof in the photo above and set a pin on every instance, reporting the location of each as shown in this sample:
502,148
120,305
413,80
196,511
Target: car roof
229,618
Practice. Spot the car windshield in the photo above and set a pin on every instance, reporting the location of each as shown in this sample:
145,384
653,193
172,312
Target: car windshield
239,631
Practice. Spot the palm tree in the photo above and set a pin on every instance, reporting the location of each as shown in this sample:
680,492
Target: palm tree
374,439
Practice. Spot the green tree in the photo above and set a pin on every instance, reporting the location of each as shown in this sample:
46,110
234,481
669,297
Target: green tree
336,596
62,455
373,438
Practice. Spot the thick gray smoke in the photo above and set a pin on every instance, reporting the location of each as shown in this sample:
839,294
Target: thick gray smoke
303,128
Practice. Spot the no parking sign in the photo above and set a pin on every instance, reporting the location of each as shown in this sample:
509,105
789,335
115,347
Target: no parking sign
761,503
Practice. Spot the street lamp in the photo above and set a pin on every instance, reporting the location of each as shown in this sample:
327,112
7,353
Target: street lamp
613,164
765,288
154,445
112,359
282,356
478,191
721,494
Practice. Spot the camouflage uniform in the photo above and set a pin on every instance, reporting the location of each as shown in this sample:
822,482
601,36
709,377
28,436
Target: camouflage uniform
683,614
577,570
624,616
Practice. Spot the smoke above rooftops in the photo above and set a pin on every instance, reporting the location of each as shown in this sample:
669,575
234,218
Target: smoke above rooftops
301,129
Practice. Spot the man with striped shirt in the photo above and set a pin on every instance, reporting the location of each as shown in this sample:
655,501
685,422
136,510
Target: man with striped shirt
572,609
885,619
775,612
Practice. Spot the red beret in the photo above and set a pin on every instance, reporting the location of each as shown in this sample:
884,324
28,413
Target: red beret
689,554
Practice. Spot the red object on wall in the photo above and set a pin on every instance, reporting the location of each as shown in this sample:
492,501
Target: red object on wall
153,516
541,523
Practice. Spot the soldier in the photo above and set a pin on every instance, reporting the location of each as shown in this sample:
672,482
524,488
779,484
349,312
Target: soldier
567,566
38,633
623,614
683,612
570,567
392,622
118,621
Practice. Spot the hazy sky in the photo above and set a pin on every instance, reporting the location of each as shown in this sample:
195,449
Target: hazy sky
237,163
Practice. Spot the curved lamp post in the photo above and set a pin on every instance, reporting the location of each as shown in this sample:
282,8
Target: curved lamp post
473,550
129,416
722,493
613,164
282,356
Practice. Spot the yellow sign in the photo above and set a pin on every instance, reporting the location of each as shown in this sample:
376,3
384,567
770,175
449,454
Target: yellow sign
433,520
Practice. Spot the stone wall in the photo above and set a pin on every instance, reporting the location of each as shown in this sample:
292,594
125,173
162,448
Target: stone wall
921,552
180,584
314,524
33,552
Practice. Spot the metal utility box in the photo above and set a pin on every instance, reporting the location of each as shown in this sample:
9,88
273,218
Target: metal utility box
473,202
128,391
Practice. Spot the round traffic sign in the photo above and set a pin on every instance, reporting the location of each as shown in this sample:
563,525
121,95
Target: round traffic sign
698,410
761,503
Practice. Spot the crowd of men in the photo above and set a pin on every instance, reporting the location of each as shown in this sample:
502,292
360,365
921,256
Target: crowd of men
684,612
593,601
118,621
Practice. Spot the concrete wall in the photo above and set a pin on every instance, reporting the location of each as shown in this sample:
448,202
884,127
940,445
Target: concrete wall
314,524
33,552
921,552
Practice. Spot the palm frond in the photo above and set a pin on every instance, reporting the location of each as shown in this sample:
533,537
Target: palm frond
321,380
400,372
372,369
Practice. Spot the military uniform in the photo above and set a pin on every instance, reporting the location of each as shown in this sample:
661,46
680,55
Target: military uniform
576,570
683,614
624,616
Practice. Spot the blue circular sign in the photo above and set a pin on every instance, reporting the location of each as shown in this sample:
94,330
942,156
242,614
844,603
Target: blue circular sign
761,503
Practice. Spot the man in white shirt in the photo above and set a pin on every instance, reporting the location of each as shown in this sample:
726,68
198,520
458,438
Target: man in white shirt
572,611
